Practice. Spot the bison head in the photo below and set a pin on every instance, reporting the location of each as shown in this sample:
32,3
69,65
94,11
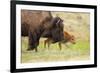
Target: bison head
57,29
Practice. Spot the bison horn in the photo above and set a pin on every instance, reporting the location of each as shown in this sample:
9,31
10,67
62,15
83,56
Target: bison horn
58,21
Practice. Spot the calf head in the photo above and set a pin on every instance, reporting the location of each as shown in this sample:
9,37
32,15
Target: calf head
72,39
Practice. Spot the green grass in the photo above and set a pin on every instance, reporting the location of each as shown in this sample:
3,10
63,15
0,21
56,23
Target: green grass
78,51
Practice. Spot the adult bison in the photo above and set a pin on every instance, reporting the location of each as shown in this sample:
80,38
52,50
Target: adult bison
36,24
67,38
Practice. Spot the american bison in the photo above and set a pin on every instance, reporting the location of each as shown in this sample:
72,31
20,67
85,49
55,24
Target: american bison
36,24
67,38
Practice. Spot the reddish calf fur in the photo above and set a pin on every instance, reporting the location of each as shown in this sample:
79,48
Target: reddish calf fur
67,38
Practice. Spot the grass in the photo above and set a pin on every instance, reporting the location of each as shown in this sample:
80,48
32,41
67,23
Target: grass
72,52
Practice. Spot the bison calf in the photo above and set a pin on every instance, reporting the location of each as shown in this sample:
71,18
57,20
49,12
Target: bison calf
67,38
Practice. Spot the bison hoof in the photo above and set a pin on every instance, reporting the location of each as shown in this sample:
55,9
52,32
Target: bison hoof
29,49
32,49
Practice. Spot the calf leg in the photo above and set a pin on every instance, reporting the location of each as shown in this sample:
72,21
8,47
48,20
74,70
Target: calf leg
45,42
48,44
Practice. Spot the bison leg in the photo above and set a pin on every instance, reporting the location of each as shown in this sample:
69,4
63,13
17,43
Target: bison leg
36,46
60,45
33,41
36,50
